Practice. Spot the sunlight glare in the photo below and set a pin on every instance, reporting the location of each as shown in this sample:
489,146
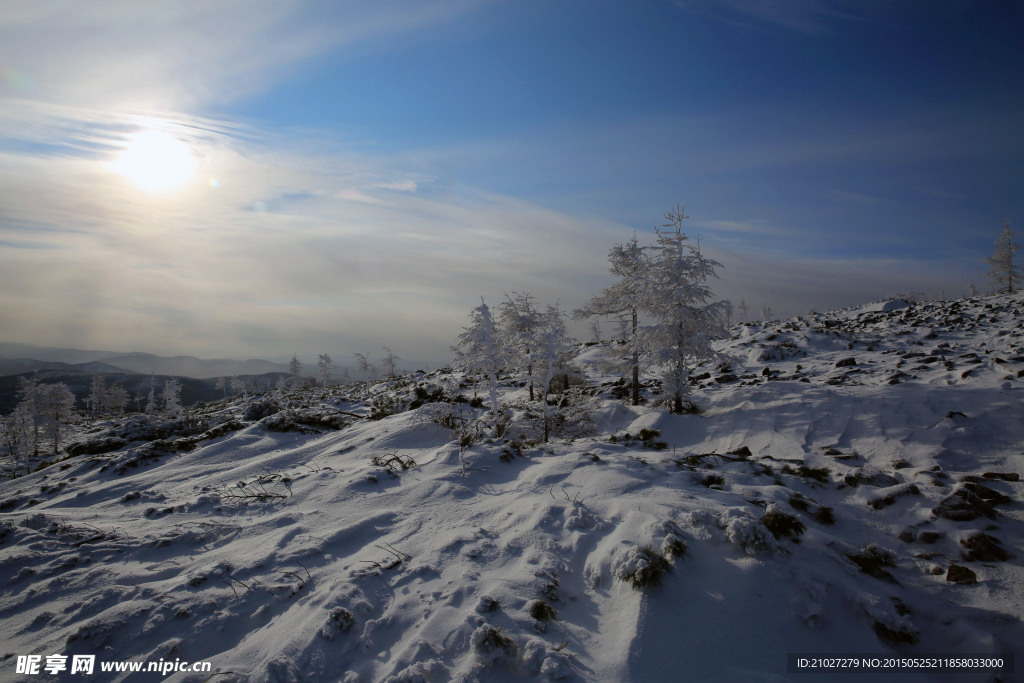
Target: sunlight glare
156,161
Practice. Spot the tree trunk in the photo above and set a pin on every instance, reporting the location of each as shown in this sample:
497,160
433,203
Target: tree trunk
636,365
529,373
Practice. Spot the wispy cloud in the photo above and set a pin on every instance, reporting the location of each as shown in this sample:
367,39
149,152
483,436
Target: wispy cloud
168,55
813,17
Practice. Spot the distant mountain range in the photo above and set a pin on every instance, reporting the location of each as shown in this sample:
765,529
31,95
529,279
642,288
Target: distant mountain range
20,358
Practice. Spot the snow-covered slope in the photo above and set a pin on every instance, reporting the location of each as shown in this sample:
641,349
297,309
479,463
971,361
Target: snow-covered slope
844,463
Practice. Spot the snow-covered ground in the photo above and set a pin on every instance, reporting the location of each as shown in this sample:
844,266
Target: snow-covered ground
844,463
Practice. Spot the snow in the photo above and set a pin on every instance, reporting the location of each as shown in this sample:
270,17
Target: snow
290,555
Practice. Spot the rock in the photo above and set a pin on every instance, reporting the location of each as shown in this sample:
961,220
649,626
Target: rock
872,478
963,506
984,548
961,575
96,447
846,362
991,496
1005,476
929,536
887,496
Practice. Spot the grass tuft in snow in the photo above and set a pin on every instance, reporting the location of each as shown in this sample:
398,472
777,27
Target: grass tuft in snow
895,636
491,644
340,620
394,461
782,523
644,566
542,611
824,515
674,547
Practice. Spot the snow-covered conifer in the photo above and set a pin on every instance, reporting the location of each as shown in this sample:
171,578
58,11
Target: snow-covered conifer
58,410
390,361
97,394
364,366
629,263
151,397
294,372
552,348
1002,271
678,301
32,405
172,397
478,351
115,399
519,323
238,386
323,367
16,437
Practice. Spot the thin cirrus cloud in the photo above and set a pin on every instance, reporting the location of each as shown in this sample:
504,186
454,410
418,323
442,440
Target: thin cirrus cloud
813,17
175,55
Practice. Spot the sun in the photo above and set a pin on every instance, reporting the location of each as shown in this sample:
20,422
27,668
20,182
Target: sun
156,161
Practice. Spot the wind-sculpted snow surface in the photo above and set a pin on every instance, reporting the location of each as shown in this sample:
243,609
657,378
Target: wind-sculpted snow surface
817,505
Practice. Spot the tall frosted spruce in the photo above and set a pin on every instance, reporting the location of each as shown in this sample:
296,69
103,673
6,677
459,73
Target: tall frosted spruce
628,262
478,350
1001,269
677,299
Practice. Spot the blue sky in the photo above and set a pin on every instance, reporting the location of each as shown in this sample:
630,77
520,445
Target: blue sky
361,172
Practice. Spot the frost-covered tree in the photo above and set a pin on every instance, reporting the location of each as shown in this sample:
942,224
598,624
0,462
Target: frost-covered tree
58,411
478,351
684,320
552,343
16,438
323,369
43,411
172,397
294,372
32,404
595,331
743,310
1001,269
629,263
390,361
239,387
96,399
222,384
115,399
364,366
519,323
151,407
